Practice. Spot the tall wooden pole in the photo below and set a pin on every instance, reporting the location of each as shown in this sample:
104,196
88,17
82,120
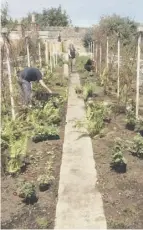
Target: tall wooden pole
107,52
138,75
46,52
100,54
96,53
118,82
28,53
10,81
40,59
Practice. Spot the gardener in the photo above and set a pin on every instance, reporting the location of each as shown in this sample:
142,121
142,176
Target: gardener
72,55
25,78
89,65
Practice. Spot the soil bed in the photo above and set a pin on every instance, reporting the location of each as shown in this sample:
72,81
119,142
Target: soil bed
122,193
17,215
42,155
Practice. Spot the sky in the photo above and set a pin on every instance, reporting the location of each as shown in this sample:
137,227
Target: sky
81,12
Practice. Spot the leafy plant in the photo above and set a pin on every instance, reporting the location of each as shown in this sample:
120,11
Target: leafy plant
139,127
118,163
45,182
130,120
27,191
42,222
137,148
95,113
87,91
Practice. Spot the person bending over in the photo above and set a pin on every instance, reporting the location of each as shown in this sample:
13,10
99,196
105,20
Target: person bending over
25,78
89,65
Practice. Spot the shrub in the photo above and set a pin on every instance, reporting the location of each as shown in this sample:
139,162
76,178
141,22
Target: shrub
137,148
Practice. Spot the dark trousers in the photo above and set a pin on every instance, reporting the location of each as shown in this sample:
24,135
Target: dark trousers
25,90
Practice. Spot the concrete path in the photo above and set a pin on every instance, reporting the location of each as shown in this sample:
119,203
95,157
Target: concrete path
79,204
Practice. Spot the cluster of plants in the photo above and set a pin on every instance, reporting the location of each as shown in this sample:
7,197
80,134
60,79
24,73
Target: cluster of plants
96,116
36,123
28,190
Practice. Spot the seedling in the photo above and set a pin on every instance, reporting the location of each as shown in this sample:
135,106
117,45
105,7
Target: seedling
137,148
44,182
27,192
119,163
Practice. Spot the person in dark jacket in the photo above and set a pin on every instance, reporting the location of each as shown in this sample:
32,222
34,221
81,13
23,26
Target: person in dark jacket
89,65
25,78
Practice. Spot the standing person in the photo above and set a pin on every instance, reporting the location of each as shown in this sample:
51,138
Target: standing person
72,55
25,78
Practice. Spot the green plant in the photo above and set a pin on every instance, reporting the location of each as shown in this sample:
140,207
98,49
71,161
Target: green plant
45,179
42,222
118,163
139,127
130,120
137,148
88,90
27,191
45,182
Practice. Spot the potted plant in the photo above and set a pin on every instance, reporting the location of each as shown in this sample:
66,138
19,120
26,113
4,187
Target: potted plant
44,182
27,191
130,120
119,163
137,148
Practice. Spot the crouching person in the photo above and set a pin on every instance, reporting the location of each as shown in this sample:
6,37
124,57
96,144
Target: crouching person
89,66
25,79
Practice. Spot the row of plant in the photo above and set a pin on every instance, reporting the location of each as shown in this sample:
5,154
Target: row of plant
39,123
100,113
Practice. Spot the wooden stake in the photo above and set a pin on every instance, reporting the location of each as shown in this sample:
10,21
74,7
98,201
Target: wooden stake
100,54
107,53
53,54
10,81
51,65
46,52
138,76
28,54
40,60
96,53
118,82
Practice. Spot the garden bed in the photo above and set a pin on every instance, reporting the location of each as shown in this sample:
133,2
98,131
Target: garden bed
18,215
122,193
43,157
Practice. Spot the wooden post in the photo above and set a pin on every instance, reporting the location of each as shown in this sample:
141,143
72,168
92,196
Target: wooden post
107,53
100,57
51,65
40,59
118,81
56,53
138,74
96,53
46,52
53,54
93,49
10,81
28,54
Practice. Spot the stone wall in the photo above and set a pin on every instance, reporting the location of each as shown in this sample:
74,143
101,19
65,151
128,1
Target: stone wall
70,34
